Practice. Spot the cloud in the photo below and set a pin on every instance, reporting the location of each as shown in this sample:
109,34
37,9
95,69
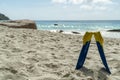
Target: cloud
87,4
102,1
59,1
68,1
86,7
82,1
76,1
92,7
101,8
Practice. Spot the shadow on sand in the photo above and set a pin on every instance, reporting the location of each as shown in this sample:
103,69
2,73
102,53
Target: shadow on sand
102,74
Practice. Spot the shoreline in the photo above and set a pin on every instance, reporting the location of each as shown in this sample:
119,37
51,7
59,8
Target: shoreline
105,34
44,55
34,25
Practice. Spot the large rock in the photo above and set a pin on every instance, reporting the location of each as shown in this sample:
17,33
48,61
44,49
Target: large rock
19,24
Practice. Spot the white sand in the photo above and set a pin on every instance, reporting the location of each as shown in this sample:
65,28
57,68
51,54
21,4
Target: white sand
27,54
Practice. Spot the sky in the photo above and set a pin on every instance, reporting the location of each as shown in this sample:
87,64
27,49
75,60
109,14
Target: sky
61,9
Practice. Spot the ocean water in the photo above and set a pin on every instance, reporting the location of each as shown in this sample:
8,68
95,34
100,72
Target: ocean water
82,26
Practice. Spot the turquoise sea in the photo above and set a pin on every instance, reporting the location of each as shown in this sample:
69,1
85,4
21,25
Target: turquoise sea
81,26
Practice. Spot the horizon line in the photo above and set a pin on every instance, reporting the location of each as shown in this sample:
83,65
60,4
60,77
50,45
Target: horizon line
81,20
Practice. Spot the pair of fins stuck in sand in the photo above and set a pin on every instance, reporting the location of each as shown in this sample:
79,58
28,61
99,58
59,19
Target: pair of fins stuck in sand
86,43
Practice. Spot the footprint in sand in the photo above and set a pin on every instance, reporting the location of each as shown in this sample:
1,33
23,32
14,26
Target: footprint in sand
16,50
52,65
13,77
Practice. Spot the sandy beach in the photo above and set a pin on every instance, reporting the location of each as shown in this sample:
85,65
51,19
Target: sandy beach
28,54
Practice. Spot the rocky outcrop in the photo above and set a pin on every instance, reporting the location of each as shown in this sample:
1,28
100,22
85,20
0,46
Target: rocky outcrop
114,30
3,17
74,32
29,24
60,31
